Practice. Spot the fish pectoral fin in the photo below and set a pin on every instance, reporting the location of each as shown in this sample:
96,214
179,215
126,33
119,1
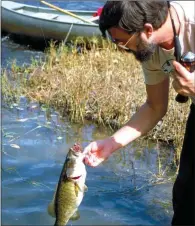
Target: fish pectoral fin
85,188
51,209
77,189
75,216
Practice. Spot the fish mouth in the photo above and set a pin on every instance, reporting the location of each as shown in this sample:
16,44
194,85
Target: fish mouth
77,148
75,178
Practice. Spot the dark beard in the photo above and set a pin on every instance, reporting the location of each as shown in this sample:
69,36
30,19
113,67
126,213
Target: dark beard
144,52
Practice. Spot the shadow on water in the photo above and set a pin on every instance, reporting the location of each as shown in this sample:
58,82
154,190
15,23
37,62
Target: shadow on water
32,43
124,190
21,52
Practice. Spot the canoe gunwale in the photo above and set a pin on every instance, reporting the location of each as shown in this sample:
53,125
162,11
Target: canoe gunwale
48,19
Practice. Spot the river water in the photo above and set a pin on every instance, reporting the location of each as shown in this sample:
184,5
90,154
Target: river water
125,190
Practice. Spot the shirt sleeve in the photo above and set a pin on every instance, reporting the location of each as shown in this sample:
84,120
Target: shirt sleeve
153,76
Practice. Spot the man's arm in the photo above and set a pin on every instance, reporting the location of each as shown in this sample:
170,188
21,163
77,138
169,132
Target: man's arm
142,122
146,117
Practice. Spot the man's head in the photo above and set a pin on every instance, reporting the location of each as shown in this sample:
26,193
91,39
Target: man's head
132,24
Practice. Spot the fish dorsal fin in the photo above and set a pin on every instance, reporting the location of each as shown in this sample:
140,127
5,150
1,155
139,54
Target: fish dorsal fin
75,216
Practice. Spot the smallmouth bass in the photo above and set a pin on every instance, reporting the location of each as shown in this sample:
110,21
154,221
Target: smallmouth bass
70,189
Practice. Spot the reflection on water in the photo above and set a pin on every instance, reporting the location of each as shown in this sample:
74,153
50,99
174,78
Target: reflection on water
124,190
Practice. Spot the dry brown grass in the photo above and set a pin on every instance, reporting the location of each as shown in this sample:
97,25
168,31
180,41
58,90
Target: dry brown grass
102,84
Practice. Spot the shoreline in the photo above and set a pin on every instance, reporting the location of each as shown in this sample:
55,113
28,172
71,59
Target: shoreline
102,85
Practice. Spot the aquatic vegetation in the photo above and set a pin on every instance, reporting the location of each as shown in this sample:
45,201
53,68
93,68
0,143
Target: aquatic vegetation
161,207
164,204
103,85
10,93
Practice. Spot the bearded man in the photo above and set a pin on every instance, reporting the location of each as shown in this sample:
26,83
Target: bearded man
145,29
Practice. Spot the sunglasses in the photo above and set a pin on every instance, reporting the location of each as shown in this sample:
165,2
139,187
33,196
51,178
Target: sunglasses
118,43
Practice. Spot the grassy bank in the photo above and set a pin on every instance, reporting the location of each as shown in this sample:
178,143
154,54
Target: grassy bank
103,85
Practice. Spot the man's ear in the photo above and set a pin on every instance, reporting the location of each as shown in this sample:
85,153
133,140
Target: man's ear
148,29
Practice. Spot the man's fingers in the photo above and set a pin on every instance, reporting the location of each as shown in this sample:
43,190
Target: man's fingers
90,161
86,161
176,85
180,69
87,149
92,147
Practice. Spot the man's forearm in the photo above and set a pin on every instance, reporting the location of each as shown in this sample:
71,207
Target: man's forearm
141,123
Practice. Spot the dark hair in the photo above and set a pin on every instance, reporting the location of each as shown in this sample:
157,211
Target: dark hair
132,15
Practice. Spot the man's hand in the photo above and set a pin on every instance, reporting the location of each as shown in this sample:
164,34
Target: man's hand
98,151
183,81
